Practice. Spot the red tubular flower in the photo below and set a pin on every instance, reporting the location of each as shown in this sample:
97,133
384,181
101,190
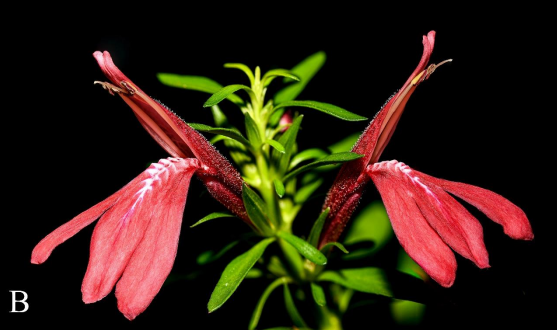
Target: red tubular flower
177,138
346,191
427,221
134,244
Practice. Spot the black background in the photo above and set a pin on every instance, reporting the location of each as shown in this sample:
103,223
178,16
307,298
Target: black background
483,119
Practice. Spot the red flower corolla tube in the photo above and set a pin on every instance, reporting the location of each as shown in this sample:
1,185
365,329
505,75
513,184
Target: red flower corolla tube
134,244
427,221
178,138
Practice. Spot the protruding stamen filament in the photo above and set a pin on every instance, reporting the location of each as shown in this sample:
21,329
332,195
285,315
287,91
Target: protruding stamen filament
430,69
111,88
127,86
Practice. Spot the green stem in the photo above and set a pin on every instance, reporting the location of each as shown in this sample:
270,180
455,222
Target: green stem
267,190
327,320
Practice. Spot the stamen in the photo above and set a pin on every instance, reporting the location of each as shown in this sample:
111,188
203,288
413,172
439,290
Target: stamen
110,88
433,67
130,89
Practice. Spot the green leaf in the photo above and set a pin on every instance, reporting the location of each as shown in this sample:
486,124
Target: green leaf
234,273
272,74
274,119
345,144
279,187
288,140
406,265
371,224
225,92
340,157
251,131
219,117
293,258
318,294
212,216
305,70
315,232
242,67
305,249
256,209
228,132
261,303
254,273
275,144
329,245
291,308
302,156
306,191
368,280
374,280
196,83
277,268
406,312
209,256
327,108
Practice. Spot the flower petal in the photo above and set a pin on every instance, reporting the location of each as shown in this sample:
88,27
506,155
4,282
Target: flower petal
153,258
42,251
494,206
417,237
456,226
122,228
179,139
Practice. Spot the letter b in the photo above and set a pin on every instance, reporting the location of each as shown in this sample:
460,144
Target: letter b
21,301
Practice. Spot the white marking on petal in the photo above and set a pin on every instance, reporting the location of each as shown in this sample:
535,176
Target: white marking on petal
406,170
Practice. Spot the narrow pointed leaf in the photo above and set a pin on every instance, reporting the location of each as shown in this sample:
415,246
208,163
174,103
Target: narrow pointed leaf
305,70
228,132
340,157
369,280
272,74
288,140
306,191
276,267
234,273
279,187
210,256
327,108
305,249
345,144
261,303
315,232
374,280
274,119
225,92
214,215
329,245
302,156
293,258
196,83
256,209
254,273
291,308
318,294
242,67
275,144
219,117
252,132
371,224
